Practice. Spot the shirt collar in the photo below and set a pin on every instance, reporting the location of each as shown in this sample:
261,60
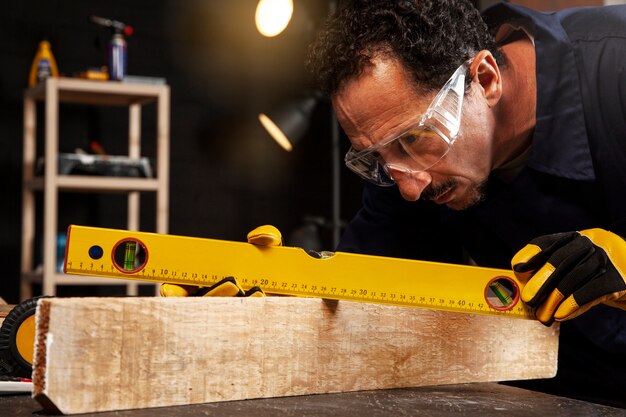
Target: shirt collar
560,145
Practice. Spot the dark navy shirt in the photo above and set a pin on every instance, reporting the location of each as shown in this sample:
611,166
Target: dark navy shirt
575,177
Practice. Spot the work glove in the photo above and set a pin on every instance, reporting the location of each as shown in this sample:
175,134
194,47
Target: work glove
228,287
568,273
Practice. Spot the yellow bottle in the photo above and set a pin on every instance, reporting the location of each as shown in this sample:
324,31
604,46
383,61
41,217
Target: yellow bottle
43,66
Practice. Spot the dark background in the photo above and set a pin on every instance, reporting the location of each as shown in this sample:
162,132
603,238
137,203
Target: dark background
227,175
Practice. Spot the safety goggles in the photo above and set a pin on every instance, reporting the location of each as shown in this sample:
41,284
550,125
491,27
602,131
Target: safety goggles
421,146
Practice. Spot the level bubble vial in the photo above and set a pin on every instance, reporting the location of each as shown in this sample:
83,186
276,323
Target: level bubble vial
130,255
502,293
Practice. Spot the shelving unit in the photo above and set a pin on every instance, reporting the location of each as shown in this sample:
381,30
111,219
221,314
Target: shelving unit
68,90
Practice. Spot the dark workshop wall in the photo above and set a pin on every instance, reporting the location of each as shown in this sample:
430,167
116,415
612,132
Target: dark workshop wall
227,175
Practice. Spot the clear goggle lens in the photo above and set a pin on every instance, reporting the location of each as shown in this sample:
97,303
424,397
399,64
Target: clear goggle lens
416,150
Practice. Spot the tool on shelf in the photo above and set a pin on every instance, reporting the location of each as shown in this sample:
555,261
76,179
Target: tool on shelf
117,46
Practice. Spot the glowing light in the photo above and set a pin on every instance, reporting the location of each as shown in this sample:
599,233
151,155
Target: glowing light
273,16
275,132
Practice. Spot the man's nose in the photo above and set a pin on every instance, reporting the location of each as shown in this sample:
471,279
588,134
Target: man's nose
411,184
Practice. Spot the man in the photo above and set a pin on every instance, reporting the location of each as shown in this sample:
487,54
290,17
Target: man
519,159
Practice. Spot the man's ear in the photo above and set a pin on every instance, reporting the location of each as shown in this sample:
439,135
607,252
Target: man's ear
485,71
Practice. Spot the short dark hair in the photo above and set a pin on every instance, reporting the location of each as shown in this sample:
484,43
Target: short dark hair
431,38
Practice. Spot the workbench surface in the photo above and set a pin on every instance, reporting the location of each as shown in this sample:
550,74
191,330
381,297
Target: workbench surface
486,399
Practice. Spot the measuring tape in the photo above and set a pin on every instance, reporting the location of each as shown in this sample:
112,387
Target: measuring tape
292,271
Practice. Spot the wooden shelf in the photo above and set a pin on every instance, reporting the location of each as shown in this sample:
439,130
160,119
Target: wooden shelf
108,93
59,278
83,183
111,93
66,279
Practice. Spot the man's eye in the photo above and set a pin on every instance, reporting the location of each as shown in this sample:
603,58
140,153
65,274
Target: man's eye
409,138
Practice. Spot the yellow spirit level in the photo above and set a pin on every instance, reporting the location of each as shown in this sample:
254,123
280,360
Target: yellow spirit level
292,271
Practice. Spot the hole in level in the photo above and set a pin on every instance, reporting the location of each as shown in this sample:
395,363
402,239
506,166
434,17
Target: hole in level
502,293
96,252
130,255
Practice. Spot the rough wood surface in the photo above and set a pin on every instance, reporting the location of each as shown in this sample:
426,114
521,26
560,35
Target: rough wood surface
102,354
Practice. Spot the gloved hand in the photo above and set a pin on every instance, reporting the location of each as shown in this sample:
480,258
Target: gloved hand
568,273
228,287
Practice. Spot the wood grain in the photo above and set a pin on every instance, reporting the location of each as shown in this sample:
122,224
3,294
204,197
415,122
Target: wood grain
102,354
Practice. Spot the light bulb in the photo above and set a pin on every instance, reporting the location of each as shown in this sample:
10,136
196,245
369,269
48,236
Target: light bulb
273,16
275,132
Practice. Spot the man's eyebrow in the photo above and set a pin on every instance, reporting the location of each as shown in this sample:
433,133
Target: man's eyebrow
360,142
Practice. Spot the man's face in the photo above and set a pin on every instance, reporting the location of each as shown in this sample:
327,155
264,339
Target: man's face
383,103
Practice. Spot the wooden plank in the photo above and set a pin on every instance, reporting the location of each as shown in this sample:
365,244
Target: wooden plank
102,354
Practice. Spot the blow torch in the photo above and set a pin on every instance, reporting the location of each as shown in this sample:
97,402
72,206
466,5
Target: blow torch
117,46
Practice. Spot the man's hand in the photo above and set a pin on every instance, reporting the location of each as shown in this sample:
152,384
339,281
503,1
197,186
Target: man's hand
568,273
228,287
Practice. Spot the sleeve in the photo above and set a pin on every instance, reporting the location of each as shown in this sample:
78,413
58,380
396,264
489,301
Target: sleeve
388,225
600,59
602,70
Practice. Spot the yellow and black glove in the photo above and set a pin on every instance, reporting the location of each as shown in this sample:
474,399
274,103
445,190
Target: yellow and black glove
568,273
228,287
